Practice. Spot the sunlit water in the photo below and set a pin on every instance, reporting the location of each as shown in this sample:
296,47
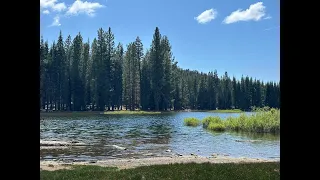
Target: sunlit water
149,136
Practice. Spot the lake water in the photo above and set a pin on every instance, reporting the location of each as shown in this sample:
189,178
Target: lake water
149,136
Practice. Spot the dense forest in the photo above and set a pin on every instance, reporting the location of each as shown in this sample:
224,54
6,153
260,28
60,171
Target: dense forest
79,76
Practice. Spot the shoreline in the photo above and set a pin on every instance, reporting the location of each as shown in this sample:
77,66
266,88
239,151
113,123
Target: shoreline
128,163
127,112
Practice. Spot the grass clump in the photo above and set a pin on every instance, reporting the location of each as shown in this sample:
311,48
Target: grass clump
191,121
217,126
227,111
214,123
262,121
228,171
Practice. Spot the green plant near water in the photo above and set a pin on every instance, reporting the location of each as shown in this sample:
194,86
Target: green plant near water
171,171
217,126
191,121
227,111
213,123
263,121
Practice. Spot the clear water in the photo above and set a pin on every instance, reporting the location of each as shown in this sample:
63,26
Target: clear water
149,136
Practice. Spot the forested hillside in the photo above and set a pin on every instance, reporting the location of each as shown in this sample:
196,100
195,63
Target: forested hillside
78,75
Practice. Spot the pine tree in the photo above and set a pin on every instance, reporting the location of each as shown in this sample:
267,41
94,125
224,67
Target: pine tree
117,85
68,82
157,69
145,81
43,54
167,62
84,75
131,76
75,74
102,67
139,56
234,93
108,65
61,68
95,72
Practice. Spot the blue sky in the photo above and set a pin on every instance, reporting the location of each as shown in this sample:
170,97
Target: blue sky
241,37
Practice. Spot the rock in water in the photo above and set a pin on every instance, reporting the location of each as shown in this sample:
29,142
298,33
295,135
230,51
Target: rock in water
168,150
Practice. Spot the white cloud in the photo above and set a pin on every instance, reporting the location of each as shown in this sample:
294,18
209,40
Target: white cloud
268,17
52,4
46,12
276,27
59,7
206,16
254,13
56,21
47,3
79,7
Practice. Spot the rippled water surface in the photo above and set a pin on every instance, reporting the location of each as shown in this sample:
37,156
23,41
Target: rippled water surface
149,136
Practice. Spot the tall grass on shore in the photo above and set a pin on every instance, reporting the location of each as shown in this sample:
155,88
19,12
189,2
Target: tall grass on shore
191,121
190,171
263,121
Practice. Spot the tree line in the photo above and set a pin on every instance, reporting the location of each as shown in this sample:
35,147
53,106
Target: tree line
78,76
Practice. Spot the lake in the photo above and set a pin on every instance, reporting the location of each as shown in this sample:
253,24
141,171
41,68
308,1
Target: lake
149,136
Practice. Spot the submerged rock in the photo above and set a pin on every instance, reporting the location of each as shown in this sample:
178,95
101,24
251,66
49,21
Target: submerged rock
168,150
214,155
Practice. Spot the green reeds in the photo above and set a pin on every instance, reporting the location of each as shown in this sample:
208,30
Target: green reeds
191,121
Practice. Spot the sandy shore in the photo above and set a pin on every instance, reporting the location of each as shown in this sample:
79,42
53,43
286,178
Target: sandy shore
132,163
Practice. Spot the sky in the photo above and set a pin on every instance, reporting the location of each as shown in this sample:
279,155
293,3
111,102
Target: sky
241,37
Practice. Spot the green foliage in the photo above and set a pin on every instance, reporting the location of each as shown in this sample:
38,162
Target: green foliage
217,126
211,119
229,171
213,123
262,121
75,76
191,121
227,111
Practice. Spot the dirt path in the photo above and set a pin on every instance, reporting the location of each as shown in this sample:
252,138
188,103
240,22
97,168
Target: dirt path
132,163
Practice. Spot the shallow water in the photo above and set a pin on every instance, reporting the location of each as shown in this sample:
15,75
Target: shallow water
149,136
